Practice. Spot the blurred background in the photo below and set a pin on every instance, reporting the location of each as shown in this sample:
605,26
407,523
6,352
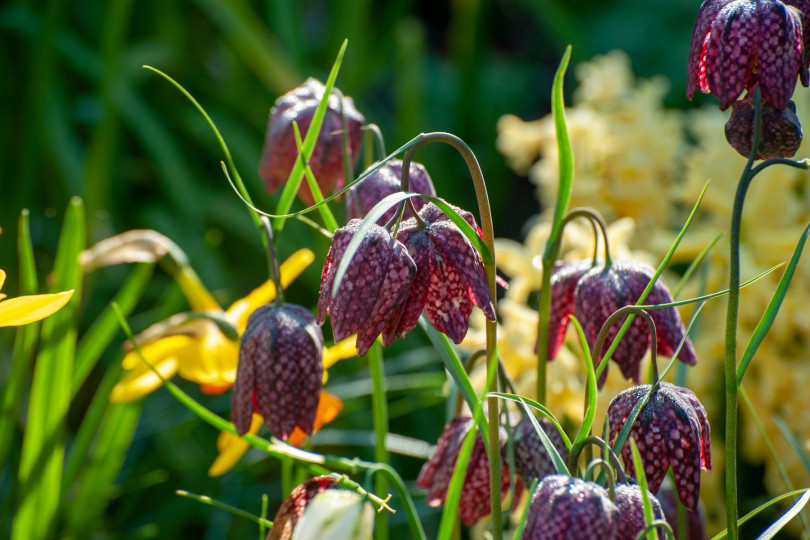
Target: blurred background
82,117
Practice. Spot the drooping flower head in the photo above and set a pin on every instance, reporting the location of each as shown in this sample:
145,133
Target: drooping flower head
362,197
294,506
564,279
531,459
376,283
450,276
781,131
336,514
671,430
280,371
280,150
569,508
436,473
603,290
631,511
738,44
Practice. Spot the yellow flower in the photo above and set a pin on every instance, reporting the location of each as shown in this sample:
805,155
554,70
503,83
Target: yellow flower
198,351
27,309
231,447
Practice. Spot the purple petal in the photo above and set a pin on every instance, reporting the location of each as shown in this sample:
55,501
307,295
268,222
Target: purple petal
731,50
779,51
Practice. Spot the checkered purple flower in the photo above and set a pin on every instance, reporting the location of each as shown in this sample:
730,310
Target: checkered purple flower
531,459
631,510
671,430
781,130
450,276
564,279
569,508
293,507
362,197
280,370
377,282
739,44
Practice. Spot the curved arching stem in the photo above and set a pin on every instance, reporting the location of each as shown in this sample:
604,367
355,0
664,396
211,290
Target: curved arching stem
596,221
272,261
595,440
617,316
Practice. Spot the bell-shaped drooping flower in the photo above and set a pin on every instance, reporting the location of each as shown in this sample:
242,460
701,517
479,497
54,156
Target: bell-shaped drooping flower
436,473
631,511
737,44
294,506
671,430
374,287
336,514
362,197
564,279
280,370
781,131
603,290
695,521
531,459
450,276
280,149
569,508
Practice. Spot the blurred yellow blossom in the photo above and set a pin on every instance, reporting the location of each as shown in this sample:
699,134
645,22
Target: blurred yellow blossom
23,310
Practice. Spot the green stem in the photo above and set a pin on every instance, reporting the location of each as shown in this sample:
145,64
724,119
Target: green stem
379,407
731,325
272,261
485,214
205,499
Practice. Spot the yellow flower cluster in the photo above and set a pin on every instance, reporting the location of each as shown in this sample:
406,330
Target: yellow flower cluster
636,159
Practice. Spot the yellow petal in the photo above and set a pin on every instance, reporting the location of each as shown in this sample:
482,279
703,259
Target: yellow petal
158,351
289,270
27,309
342,349
195,292
232,448
2,278
142,381
212,361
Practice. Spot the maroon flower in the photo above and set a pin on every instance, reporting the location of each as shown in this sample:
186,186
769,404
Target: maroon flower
569,508
531,459
781,131
450,276
695,521
737,44
280,370
436,473
564,279
375,285
293,506
603,290
671,430
326,161
631,510
362,197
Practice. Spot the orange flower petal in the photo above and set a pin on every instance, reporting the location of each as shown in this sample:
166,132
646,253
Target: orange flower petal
329,406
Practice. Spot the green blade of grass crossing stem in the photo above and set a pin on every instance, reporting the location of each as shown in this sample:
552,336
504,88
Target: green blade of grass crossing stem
25,342
590,413
450,513
40,473
551,451
773,308
564,152
96,340
638,465
326,214
296,175
525,513
205,499
805,497
794,442
695,264
543,410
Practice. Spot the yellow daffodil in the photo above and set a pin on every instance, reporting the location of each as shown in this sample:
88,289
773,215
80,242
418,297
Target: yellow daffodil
231,447
27,309
198,350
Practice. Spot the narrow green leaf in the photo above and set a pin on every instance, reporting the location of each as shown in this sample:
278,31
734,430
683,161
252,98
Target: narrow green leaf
326,214
205,499
525,513
564,152
551,451
783,520
794,442
96,340
450,512
805,496
590,413
638,466
40,473
773,308
542,409
695,264
296,175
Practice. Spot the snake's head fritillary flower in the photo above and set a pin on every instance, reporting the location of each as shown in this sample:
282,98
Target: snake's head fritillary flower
376,283
631,510
280,370
603,290
737,44
294,506
336,514
436,473
281,151
450,276
671,430
695,521
564,279
362,197
531,459
781,131
569,508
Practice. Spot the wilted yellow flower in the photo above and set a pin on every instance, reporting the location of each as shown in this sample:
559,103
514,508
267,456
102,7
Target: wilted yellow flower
24,310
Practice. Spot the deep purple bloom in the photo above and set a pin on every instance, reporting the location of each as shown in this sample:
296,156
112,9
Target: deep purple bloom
603,290
281,151
362,197
450,276
531,459
737,44
631,510
671,430
781,130
564,279
695,521
280,370
569,508
437,471
376,283
294,506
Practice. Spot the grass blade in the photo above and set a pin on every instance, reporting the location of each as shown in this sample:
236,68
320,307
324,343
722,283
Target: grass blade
448,522
326,214
805,493
590,413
